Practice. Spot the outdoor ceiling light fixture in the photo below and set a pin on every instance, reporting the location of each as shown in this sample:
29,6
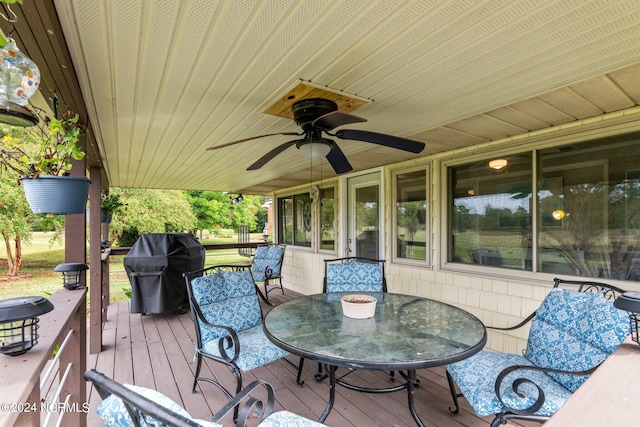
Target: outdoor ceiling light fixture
498,164
558,214
236,200
19,323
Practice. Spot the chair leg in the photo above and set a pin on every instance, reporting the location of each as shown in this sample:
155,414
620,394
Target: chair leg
300,383
238,375
197,373
454,394
320,375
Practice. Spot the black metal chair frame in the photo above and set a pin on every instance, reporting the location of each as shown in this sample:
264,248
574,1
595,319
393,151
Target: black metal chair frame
269,276
225,343
140,407
228,342
610,292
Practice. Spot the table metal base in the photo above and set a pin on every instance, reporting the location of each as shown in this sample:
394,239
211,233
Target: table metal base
410,384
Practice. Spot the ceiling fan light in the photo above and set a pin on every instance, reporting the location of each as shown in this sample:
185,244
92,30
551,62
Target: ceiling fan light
498,164
315,150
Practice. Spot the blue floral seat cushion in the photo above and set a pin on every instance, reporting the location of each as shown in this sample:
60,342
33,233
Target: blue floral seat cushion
354,276
288,419
256,349
267,259
476,377
114,413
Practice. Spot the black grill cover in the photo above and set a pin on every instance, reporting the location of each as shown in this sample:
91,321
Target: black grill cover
155,265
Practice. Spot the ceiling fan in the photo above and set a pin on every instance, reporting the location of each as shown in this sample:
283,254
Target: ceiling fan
318,115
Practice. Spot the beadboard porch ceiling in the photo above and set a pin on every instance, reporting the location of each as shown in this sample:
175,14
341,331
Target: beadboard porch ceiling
163,80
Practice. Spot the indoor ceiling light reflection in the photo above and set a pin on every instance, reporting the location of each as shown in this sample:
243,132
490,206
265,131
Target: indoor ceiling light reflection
498,164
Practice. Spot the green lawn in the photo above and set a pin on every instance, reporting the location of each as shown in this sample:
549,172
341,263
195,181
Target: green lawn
40,258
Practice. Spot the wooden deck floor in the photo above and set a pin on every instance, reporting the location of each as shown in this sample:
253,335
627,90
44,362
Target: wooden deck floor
156,351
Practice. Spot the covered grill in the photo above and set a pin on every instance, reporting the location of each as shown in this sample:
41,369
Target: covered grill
155,265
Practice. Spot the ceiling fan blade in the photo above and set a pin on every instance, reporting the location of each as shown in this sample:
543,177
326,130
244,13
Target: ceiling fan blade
334,119
270,155
338,160
382,139
215,147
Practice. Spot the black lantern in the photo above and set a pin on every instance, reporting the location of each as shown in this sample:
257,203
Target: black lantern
19,323
630,302
71,273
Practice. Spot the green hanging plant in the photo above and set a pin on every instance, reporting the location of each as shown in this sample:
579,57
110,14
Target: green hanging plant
48,152
110,202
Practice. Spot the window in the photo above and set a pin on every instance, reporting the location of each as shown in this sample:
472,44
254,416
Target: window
294,220
411,213
591,227
490,213
577,213
327,219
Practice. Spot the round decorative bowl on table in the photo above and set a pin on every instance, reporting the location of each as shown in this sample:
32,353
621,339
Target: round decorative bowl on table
358,306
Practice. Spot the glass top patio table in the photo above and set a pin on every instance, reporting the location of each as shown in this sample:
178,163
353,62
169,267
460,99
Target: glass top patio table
406,333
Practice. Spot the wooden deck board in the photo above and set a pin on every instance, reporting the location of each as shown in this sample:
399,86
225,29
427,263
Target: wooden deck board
156,351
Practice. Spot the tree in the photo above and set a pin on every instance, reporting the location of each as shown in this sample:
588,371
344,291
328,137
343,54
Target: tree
246,213
412,217
150,211
211,209
215,210
14,220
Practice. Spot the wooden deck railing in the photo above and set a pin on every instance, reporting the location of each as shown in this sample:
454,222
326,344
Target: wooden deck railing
36,375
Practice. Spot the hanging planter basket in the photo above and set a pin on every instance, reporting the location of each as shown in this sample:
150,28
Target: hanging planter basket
57,195
105,217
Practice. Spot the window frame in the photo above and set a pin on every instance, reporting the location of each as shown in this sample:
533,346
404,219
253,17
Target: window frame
316,230
540,167
318,219
446,212
394,216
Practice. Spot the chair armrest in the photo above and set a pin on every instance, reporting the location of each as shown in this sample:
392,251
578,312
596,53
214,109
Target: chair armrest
137,406
515,385
252,407
519,325
224,343
268,272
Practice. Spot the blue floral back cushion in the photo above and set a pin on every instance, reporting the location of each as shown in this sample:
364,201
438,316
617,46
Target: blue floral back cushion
354,276
113,412
227,298
575,331
267,257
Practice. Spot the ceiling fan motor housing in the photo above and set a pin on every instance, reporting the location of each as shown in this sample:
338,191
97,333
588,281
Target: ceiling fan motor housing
307,110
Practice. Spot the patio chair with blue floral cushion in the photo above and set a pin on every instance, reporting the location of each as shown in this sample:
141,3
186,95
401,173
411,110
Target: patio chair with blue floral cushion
572,332
266,267
350,274
125,405
228,322
354,274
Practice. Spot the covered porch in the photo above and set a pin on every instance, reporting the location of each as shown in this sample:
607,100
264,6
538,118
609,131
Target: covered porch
156,351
